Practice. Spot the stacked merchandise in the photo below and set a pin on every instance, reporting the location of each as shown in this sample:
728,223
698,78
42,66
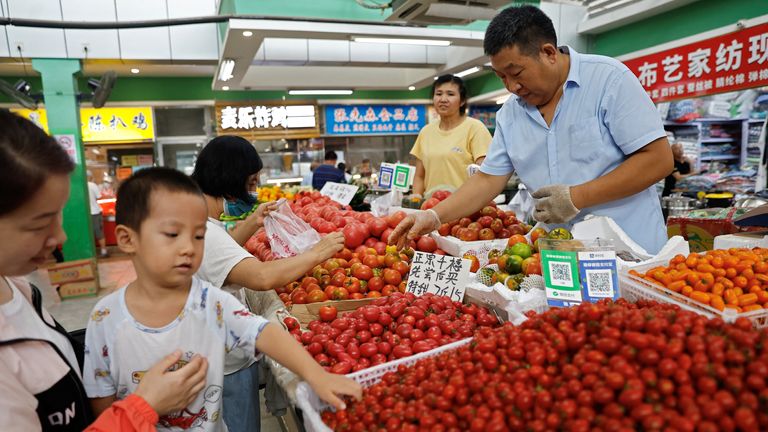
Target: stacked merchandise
737,182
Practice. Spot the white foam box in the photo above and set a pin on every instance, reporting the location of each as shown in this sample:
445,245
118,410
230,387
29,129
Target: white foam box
742,240
455,247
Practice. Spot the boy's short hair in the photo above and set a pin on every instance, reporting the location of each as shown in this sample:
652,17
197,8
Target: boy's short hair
134,195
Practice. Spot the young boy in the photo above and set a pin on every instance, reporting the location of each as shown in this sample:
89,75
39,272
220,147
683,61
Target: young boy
161,217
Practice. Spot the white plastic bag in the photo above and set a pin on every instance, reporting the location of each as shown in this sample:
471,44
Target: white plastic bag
523,204
288,235
381,205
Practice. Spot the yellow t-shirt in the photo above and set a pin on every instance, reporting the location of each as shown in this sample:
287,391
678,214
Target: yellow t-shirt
446,154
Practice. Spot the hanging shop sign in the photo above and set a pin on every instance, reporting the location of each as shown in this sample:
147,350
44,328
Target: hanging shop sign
103,125
265,121
485,113
720,64
374,119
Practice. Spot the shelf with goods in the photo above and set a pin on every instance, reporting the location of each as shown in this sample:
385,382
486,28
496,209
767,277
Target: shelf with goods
714,144
753,148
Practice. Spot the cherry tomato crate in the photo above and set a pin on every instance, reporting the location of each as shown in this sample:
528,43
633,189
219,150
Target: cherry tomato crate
634,288
311,405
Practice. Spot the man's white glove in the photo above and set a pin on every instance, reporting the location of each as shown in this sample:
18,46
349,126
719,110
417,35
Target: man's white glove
553,204
414,225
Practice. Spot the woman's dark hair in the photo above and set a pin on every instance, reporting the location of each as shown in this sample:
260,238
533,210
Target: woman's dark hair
448,78
224,165
27,157
525,26
135,194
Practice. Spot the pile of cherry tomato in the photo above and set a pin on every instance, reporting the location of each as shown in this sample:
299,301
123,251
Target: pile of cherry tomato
389,328
596,367
734,279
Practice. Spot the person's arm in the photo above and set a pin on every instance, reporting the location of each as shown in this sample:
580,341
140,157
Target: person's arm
284,349
261,276
642,169
418,179
98,405
480,160
132,414
473,195
243,230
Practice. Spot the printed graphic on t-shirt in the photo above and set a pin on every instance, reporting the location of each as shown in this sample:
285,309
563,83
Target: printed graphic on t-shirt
100,314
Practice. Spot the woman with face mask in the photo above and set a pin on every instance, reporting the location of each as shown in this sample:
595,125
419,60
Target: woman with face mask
444,149
40,367
225,170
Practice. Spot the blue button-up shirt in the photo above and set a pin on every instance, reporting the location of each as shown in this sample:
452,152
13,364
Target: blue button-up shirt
603,116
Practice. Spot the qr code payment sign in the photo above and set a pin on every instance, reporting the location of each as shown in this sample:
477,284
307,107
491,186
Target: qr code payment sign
599,283
560,274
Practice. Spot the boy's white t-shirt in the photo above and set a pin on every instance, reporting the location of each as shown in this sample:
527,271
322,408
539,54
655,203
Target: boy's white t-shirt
119,350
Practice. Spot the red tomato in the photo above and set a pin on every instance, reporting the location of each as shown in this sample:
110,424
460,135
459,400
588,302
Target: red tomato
363,272
392,277
327,313
396,218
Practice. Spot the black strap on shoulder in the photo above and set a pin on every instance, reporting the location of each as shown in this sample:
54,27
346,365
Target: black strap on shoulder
76,338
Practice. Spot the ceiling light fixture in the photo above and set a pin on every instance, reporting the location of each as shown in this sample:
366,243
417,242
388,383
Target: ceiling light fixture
225,71
381,40
469,71
225,88
319,92
411,88
135,70
247,33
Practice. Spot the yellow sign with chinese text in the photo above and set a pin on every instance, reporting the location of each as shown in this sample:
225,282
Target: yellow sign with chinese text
105,124
117,124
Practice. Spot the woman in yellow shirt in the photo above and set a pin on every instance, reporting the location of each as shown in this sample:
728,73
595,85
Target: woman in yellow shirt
444,149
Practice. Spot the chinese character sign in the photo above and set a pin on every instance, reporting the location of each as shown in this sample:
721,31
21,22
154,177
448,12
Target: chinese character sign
438,274
117,124
374,119
261,117
725,63
339,192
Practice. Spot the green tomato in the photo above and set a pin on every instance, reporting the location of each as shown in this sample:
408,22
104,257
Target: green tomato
560,234
523,250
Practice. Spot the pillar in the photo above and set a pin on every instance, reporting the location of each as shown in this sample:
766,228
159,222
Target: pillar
60,92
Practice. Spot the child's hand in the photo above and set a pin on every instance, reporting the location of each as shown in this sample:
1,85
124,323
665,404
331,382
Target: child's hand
329,386
167,391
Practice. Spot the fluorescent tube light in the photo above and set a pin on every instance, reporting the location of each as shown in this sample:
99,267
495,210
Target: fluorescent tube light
225,71
469,71
382,40
319,92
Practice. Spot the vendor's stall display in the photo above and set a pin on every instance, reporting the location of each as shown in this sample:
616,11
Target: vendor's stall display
612,366
720,283
275,192
388,329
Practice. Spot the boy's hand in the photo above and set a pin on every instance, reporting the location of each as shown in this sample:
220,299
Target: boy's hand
330,386
167,392
328,246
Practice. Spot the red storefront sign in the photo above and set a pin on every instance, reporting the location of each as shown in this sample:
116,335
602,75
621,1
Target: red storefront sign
720,64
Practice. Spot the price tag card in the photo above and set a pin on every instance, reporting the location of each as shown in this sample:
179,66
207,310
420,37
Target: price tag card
339,192
438,274
386,175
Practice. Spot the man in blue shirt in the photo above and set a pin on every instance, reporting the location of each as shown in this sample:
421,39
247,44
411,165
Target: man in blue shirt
579,130
327,172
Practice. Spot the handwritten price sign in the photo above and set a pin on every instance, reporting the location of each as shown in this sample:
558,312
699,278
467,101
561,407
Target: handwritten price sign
438,274
339,192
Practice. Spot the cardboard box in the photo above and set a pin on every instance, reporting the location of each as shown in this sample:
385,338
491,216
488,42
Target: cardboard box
310,311
700,232
73,271
78,289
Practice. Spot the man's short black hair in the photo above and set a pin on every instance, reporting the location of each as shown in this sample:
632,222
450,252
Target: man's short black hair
526,26
331,155
224,165
448,78
134,195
